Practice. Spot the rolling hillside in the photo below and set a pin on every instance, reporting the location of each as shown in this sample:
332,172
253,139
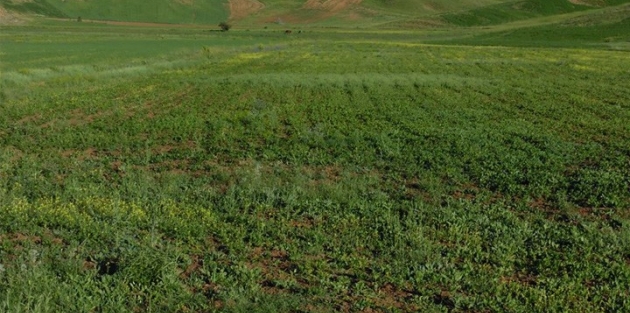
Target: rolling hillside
324,12
606,26
508,11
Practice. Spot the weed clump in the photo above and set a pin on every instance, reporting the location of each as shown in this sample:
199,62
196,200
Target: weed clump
225,26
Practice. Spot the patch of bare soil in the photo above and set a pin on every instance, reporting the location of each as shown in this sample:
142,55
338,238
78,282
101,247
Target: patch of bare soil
14,153
276,268
240,9
194,266
391,296
332,6
19,238
10,18
525,279
320,10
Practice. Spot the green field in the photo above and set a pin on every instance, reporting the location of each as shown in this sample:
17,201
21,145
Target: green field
470,167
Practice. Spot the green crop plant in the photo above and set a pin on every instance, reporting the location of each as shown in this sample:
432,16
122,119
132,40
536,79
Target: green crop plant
177,169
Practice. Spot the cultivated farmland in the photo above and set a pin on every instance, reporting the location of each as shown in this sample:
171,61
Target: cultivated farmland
478,165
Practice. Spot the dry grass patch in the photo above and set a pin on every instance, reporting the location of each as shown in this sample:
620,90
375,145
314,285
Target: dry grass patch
240,9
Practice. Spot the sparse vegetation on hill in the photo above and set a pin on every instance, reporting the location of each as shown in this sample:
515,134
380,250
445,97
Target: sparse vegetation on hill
156,11
42,7
519,10
333,12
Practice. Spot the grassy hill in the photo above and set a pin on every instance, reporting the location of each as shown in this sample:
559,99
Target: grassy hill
41,7
508,11
331,12
161,11
606,26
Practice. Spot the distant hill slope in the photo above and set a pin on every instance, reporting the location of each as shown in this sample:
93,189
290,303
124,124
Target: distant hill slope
604,27
335,12
509,11
42,7
162,11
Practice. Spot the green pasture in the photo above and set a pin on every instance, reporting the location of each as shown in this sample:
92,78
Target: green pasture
189,170
156,11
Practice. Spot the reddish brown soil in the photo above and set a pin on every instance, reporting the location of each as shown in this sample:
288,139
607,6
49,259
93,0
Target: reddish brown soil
240,9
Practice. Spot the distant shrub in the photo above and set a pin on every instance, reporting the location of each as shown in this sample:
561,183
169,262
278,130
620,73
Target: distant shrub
225,26
79,19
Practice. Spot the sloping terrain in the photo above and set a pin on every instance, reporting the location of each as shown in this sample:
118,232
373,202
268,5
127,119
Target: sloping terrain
157,11
607,27
508,11
243,8
40,7
10,17
414,13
